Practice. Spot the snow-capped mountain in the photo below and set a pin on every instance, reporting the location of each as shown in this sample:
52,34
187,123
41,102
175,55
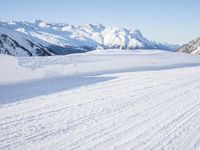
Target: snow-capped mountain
192,47
44,39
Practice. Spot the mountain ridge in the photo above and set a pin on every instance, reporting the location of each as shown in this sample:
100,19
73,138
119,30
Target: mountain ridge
45,39
193,47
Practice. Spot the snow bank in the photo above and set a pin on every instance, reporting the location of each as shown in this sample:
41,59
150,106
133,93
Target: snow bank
96,62
12,71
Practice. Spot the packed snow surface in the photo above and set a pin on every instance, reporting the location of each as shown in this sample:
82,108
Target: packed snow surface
144,99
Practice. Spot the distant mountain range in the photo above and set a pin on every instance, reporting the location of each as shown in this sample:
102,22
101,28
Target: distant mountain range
192,47
45,39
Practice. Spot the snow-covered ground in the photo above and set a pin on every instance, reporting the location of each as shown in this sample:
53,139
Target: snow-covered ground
144,99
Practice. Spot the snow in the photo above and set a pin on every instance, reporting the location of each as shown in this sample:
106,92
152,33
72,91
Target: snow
92,36
21,30
193,47
115,99
21,38
94,62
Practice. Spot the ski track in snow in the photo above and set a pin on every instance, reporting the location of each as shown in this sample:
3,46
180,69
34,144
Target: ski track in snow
157,109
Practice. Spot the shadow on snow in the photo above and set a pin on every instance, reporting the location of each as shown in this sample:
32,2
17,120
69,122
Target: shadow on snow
30,89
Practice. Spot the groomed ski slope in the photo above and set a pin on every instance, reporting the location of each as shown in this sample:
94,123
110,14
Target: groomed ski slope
108,100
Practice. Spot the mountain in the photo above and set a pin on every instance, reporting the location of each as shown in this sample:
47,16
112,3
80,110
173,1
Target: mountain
192,47
45,39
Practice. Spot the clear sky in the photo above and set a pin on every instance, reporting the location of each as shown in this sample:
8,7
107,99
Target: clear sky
173,21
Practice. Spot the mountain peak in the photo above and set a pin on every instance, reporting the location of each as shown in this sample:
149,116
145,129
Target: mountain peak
193,47
41,23
137,33
57,38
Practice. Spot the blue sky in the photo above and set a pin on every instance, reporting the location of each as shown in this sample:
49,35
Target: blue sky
173,21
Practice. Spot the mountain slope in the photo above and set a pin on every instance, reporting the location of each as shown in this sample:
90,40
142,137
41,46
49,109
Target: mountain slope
43,39
10,46
192,47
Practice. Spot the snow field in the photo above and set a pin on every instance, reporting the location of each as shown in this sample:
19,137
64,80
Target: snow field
151,102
